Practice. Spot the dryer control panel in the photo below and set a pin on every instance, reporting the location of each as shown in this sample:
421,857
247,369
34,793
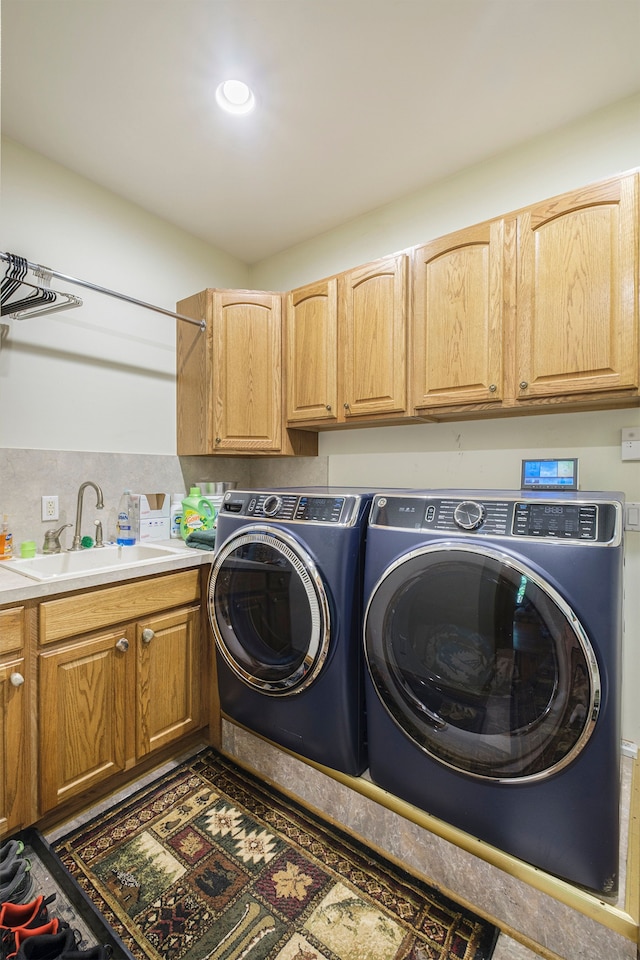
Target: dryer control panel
290,506
478,515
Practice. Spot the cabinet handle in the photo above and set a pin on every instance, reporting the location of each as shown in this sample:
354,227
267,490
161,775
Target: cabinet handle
16,679
523,384
492,388
346,405
217,439
328,407
147,635
122,645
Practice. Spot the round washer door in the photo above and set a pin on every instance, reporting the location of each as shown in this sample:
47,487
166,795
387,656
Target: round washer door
481,662
269,610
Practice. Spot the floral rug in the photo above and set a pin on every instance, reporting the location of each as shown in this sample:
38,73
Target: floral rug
210,863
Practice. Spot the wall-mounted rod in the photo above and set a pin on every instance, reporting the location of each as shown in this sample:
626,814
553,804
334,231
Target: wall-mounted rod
34,267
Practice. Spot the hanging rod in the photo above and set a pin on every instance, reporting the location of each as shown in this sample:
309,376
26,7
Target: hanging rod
34,267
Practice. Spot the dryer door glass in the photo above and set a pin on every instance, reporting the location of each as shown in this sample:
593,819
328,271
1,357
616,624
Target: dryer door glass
269,611
481,662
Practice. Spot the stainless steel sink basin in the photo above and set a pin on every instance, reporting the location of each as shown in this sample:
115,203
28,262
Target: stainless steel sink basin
64,566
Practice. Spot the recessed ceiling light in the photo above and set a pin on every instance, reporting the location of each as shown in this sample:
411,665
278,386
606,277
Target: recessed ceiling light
234,96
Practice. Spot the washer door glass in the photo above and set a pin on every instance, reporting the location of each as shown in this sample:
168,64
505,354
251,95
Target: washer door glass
481,662
269,611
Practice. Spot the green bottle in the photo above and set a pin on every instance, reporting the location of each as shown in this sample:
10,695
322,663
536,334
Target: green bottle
197,513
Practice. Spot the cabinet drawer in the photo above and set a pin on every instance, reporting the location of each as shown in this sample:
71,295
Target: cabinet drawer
72,616
11,629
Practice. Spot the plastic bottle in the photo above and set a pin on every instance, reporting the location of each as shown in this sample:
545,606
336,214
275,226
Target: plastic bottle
6,540
126,535
197,513
175,513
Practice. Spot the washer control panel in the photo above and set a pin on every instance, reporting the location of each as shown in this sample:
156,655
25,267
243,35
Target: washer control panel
282,505
560,521
551,519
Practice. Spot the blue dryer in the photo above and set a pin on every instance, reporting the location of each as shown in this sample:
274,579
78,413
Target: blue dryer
285,605
492,634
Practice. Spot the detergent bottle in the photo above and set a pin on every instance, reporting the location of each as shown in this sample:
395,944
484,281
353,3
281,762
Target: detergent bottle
197,513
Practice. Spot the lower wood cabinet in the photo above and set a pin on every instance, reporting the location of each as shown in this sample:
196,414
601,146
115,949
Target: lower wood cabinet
13,745
14,722
110,697
82,715
168,690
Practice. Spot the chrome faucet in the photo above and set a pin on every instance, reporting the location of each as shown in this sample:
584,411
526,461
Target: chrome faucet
77,539
52,539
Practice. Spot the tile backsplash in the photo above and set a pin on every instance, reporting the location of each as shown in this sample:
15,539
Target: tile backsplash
28,475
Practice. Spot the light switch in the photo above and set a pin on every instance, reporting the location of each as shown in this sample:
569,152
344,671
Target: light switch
630,448
632,516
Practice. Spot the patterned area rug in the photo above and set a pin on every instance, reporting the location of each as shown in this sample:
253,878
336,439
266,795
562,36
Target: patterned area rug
209,863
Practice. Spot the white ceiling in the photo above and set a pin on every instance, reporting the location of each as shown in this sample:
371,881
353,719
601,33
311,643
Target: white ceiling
359,101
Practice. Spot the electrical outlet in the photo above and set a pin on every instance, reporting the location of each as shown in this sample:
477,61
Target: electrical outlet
50,510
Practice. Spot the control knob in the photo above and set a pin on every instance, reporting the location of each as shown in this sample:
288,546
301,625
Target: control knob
271,505
469,514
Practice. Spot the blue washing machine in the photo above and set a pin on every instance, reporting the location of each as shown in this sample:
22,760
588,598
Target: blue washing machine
492,636
285,605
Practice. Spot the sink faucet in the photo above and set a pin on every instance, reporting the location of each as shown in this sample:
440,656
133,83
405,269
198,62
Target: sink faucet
52,539
77,539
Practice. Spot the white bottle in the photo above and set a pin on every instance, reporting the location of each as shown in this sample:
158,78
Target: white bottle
175,513
126,536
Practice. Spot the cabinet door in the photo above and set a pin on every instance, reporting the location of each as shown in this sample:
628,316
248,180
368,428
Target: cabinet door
576,322
247,363
458,317
372,333
169,679
82,690
14,746
312,358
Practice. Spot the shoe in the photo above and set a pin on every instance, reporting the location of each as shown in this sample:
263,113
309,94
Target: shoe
13,939
9,851
26,915
47,946
16,882
101,952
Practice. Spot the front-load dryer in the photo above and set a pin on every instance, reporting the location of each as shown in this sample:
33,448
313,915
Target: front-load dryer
285,605
492,635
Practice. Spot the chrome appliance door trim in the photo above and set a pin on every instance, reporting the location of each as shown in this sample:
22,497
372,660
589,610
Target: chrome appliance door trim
307,572
431,720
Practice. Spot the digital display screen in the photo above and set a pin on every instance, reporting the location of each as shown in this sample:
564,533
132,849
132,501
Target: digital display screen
550,474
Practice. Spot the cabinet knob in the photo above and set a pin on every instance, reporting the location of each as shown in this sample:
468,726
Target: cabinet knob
328,407
523,384
122,645
217,439
16,679
492,388
346,405
147,635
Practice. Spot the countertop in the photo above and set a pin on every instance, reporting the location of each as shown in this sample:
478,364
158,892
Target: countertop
15,588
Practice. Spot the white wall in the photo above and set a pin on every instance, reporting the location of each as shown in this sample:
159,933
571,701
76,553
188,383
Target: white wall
594,148
100,377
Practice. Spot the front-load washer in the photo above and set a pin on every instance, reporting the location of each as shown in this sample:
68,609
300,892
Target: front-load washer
492,636
285,605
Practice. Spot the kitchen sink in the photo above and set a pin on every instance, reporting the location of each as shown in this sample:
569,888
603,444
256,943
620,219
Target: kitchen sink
63,566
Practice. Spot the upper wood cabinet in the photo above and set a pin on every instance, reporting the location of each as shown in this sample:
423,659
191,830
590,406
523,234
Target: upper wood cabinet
459,308
229,377
347,346
312,352
576,325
